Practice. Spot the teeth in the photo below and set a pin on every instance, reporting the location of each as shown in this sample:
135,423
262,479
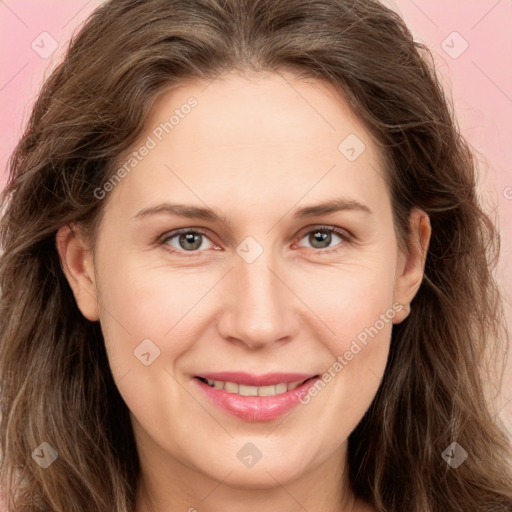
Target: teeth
242,389
230,387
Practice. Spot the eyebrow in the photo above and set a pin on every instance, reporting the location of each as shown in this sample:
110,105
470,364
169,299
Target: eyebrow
197,212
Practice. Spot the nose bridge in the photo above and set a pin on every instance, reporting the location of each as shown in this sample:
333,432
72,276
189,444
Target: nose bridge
260,310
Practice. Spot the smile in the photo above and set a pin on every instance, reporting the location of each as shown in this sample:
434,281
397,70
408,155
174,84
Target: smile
245,390
252,402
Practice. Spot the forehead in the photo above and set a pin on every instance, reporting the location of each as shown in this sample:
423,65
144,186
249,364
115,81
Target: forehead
272,109
267,136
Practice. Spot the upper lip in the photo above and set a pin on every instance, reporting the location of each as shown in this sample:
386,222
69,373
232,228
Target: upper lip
248,379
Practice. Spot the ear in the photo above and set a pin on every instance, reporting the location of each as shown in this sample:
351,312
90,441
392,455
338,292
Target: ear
411,265
76,260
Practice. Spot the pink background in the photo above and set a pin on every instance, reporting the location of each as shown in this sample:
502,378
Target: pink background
479,79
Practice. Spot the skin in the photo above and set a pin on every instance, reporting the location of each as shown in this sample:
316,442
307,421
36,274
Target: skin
254,149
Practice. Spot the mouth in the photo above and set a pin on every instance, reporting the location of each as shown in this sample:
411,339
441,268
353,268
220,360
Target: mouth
248,390
256,403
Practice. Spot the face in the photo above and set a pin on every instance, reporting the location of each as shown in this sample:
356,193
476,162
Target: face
269,284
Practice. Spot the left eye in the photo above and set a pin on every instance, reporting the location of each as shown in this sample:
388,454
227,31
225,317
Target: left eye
191,241
321,237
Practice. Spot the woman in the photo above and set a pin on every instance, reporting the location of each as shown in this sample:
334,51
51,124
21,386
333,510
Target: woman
245,268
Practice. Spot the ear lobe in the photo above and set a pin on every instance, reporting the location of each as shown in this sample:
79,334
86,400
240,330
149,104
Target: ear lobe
77,264
411,265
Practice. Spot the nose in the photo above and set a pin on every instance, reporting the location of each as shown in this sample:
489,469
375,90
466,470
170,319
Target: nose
258,305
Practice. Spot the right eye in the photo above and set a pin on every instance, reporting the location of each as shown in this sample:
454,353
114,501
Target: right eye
184,240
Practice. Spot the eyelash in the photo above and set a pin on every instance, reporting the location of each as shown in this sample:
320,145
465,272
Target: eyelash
343,234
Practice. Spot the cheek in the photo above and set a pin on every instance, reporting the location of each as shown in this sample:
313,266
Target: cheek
147,326
356,306
358,309
351,297
138,304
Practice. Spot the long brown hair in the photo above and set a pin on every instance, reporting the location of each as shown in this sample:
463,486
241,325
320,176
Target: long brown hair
55,381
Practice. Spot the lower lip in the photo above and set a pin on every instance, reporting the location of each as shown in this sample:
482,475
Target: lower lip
256,408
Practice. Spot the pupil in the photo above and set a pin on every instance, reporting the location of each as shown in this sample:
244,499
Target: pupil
320,236
190,238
